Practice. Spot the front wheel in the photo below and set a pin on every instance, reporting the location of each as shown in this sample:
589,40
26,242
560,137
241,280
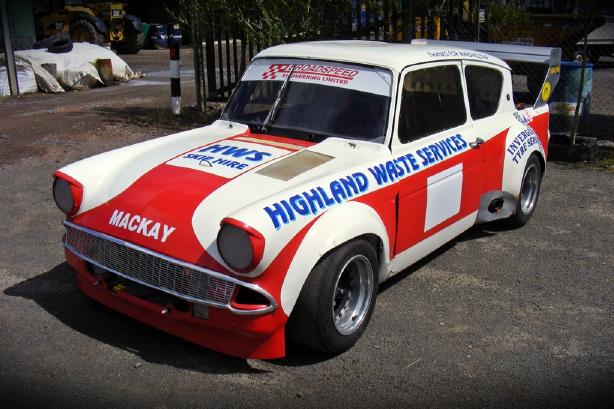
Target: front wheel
337,300
529,192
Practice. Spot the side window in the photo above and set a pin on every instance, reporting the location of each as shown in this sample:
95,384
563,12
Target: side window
483,90
432,101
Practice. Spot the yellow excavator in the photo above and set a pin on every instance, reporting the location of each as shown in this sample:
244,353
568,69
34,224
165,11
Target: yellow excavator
97,23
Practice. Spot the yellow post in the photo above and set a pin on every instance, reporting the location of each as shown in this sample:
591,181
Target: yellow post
418,28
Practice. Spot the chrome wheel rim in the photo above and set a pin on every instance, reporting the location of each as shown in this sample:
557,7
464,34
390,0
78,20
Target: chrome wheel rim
530,189
352,296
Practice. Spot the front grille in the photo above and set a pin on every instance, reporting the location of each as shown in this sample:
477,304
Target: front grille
149,269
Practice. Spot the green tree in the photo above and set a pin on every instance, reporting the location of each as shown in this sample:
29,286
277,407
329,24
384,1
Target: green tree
263,21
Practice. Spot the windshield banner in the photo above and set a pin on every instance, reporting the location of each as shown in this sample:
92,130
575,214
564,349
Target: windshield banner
366,79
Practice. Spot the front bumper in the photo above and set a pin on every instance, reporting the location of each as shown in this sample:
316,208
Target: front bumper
172,276
259,336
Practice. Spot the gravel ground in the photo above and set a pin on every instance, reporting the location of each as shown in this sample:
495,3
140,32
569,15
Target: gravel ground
497,318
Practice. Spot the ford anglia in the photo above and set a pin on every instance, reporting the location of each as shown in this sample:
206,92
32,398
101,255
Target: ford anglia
333,166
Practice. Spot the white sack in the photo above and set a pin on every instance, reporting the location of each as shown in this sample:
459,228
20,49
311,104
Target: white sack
25,78
77,69
45,81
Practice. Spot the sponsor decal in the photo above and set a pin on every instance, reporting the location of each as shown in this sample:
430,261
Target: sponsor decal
227,158
366,79
523,117
309,203
521,144
315,72
141,225
554,70
319,198
457,53
546,91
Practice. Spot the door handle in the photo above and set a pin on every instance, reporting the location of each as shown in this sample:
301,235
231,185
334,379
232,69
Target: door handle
476,143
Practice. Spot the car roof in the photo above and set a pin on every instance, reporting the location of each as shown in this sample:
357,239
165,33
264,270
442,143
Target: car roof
394,56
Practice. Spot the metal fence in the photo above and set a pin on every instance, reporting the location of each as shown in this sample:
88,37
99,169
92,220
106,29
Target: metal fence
226,52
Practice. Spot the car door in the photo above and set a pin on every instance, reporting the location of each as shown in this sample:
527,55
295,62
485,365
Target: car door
491,111
439,197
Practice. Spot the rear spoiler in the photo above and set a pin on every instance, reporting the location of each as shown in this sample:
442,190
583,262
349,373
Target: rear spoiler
516,54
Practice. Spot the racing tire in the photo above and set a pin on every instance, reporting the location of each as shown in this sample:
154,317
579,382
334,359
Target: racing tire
82,31
133,41
60,46
337,299
529,192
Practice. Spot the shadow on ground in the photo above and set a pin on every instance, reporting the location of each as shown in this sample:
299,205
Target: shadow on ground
71,307
476,232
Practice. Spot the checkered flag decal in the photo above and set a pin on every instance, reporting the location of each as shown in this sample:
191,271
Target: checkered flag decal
273,70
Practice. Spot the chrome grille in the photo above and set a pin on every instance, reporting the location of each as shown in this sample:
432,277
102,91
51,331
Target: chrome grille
149,269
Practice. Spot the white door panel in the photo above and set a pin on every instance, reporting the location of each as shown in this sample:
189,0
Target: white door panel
443,197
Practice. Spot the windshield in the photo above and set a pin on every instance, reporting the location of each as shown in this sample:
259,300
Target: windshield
312,99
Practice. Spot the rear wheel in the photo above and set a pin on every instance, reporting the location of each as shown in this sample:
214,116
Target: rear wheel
529,192
82,31
337,300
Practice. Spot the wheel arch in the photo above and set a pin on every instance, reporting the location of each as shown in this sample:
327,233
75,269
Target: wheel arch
542,160
353,220
513,170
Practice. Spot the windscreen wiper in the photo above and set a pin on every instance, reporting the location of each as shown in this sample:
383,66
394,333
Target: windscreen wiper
280,95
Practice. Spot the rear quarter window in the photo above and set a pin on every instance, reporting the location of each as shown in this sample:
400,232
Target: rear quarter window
483,90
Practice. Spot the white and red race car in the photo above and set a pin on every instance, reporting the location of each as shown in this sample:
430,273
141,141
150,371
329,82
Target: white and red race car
334,166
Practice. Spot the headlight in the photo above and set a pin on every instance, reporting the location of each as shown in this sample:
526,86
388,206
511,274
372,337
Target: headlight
240,246
67,193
